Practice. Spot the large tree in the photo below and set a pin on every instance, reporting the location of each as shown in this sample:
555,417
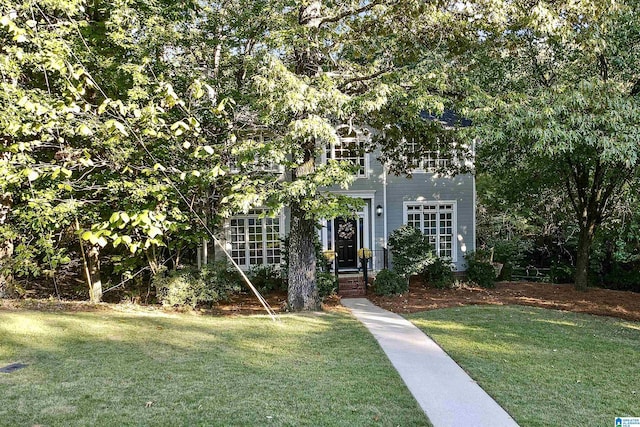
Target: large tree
98,148
555,94
307,67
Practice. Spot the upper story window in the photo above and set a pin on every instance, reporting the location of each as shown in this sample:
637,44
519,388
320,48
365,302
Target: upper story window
350,148
428,161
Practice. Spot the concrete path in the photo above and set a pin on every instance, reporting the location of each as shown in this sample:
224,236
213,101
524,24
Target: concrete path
443,389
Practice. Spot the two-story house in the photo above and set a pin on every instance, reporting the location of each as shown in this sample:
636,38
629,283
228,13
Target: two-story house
442,206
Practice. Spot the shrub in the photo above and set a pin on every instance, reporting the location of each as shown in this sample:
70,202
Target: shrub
327,284
183,287
479,270
410,250
623,277
267,278
389,283
513,251
438,274
222,277
561,272
190,286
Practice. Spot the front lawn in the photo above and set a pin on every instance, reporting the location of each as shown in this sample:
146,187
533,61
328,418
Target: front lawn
545,367
153,368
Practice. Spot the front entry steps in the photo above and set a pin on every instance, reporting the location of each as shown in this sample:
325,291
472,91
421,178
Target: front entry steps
351,286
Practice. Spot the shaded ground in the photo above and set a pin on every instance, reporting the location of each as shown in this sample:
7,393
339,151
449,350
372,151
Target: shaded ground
238,304
603,302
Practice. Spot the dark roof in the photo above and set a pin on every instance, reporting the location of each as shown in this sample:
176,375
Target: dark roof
448,118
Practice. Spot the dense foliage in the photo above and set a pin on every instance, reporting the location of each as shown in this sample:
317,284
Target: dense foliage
388,282
102,158
192,286
558,113
327,284
131,129
267,278
411,251
479,270
438,274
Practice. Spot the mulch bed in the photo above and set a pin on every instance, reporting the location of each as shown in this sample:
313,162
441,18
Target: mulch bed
603,302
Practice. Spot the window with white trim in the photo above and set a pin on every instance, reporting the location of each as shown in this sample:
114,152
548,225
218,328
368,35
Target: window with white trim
255,240
349,148
429,161
437,221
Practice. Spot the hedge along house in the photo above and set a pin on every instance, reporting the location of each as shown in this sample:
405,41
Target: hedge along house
440,204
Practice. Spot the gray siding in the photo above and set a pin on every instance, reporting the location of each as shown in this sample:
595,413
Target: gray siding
425,187
428,187
421,186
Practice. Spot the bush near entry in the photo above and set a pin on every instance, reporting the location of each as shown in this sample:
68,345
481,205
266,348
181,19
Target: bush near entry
389,283
411,251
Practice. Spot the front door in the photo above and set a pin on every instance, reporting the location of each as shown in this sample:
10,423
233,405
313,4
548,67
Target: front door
346,238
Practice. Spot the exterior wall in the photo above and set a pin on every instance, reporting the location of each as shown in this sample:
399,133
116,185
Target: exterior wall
400,190
420,187
428,187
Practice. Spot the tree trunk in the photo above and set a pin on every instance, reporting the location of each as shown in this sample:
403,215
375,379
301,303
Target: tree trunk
6,247
582,261
303,292
93,272
6,252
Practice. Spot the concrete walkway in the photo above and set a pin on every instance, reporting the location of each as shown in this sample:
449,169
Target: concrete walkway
443,389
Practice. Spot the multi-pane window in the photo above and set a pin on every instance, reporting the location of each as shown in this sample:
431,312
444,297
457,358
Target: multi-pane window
349,148
255,240
428,160
435,220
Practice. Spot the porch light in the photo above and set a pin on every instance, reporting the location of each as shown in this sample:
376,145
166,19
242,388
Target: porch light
379,210
364,253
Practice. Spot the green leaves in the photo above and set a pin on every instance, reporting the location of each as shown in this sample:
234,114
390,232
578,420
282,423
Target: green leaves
136,231
31,174
123,239
116,125
96,237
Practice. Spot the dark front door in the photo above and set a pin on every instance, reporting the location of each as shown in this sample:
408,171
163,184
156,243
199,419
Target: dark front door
346,239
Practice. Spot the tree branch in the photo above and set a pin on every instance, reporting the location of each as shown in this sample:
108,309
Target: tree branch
572,195
581,179
617,181
351,12
359,79
604,67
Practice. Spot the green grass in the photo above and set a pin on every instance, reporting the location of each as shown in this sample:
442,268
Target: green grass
102,368
547,368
